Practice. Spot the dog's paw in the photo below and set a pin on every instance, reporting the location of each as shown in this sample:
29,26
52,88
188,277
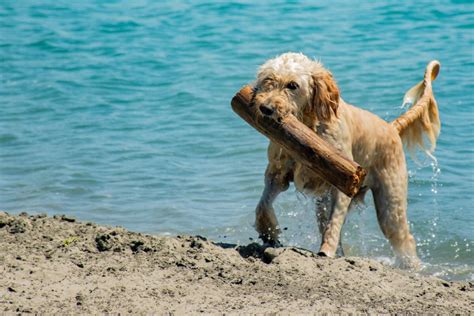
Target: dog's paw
326,251
270,242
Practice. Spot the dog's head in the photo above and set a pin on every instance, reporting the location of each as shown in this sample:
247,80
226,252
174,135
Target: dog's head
293,83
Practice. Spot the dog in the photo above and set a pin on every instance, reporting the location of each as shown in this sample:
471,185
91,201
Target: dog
293,83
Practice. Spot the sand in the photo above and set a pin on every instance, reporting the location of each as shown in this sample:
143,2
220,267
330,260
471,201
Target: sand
59,265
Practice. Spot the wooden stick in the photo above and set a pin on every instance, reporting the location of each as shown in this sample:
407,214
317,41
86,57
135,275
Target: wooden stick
303,144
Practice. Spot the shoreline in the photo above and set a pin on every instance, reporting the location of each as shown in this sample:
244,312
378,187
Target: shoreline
59,265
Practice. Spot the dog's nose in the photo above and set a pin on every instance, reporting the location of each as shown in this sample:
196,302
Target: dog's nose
266,110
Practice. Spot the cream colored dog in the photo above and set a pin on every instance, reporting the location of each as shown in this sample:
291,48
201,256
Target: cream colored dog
294,83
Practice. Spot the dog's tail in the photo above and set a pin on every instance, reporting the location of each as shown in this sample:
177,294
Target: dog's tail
422,118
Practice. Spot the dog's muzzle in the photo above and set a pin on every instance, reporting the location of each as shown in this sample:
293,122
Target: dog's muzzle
266,110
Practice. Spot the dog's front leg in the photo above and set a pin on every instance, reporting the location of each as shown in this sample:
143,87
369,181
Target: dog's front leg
266,222
323,208
339,207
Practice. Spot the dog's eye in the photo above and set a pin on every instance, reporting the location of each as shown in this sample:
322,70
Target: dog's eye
292,85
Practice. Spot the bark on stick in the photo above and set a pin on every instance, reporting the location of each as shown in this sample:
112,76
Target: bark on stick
303,144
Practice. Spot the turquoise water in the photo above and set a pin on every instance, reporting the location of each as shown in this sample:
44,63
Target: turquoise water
118,112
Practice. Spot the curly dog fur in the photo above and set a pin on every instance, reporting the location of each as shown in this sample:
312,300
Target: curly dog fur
294,83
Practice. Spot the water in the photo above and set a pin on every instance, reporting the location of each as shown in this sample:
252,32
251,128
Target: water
118,112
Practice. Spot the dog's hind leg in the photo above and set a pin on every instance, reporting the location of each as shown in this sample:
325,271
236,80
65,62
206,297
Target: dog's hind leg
390,199
331,236
266,222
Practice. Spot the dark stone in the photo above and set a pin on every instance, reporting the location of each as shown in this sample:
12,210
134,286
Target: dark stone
67,219
251,250
350,261
17,227
237,281
196,244
103,242
136,245
201,237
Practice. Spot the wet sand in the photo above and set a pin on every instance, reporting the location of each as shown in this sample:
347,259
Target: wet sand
58,265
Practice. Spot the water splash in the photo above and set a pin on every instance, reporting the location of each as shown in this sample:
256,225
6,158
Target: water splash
434,190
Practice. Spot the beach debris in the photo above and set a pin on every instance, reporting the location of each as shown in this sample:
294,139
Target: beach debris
67,218
14,225
103,242
70,240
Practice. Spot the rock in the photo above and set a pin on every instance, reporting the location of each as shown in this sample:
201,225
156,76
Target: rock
136,245
67,219
251,250
79,299
103,242
269,254
18,226
196,244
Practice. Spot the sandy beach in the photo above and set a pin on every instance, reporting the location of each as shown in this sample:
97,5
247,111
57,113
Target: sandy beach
59,265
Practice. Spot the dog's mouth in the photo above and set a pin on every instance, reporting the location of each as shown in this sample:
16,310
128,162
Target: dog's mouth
268,107
266,110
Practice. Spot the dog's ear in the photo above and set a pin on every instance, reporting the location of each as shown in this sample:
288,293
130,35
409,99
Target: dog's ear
325,95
